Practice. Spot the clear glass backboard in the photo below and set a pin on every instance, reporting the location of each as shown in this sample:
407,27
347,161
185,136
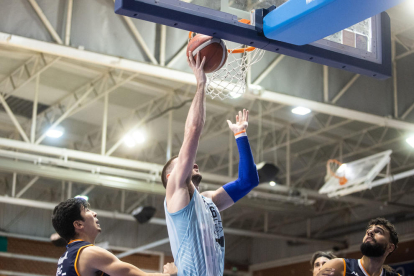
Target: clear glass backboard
359,174
363,48
360,40
241,8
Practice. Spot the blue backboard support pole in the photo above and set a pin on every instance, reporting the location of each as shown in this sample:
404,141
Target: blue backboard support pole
190,17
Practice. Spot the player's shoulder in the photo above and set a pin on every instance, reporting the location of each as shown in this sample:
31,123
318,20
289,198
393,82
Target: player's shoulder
351,261
208,194
96,253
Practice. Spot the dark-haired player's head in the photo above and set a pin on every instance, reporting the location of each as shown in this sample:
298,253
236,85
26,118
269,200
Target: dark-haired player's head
72,219
319,258
169,166
381,238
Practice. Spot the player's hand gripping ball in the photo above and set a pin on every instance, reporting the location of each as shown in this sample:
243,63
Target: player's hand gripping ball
213,49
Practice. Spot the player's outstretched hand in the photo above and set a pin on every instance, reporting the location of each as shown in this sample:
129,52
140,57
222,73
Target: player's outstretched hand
241,122
198,67
170,268
326,272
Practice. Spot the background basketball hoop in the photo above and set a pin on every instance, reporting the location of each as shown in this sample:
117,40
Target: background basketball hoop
336,169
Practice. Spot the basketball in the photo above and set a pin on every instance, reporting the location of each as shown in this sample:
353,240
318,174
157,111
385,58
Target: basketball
213,49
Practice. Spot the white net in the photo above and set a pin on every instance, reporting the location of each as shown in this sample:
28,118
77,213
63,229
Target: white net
230,80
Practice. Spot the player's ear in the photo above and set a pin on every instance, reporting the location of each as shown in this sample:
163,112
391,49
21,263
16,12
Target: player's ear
168,175
391,247
78,224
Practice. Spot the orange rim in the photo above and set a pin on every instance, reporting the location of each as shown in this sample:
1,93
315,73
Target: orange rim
342,179
233,51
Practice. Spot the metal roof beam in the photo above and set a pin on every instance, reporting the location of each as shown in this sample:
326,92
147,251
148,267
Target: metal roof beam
187,78
115,178
118,182
45,21
14,119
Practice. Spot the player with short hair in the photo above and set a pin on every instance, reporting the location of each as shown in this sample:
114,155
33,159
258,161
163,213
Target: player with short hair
79,226
320,258
380,241
193,219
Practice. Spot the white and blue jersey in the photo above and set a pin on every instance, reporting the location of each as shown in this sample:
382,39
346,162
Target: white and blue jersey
197,238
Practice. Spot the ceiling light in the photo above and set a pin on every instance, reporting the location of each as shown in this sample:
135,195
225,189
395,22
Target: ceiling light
139,136
272,183
300,110
129,141
55,132
410,141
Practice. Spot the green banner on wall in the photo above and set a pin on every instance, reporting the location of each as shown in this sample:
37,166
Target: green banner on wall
3,244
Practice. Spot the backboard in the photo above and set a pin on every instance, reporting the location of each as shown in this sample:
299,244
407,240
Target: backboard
364,48
239,8
360,40
360,175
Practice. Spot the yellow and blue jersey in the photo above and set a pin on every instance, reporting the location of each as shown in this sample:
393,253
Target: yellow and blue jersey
353,267
68,262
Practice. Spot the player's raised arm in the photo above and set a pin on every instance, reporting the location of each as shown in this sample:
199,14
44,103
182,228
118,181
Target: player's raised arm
335,267
326,272
94,258
177,194
248,178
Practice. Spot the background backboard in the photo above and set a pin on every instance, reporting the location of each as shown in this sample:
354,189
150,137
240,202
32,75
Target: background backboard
359,175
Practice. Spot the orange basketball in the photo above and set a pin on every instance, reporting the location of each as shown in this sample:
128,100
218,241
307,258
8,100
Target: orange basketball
212,48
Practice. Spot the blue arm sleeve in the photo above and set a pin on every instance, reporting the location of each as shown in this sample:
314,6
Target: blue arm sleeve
248,177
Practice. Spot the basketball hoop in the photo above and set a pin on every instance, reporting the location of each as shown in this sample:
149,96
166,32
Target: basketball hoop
332,170
230,80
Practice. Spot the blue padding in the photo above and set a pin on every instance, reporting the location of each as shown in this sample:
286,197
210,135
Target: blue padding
301,22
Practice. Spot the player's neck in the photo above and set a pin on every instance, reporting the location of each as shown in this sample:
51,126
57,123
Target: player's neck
191,189
84,237
373,265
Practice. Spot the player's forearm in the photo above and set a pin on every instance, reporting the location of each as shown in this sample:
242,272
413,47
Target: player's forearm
248,177
153,274
130,270
197,113
247,167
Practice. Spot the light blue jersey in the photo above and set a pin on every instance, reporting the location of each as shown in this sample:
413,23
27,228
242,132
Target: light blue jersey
197,238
